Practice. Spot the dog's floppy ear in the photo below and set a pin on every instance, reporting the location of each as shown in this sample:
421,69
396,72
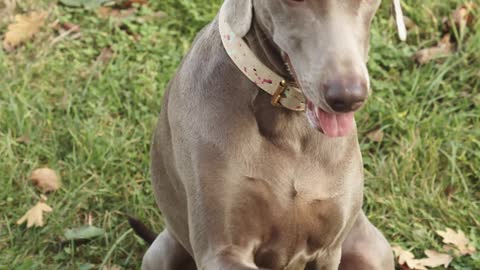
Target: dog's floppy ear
239,15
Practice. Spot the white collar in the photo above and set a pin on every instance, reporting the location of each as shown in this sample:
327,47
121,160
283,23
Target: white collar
284,93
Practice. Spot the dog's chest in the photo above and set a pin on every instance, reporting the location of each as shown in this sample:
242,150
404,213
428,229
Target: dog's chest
301,212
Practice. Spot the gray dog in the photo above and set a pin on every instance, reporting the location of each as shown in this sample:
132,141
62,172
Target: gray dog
255,160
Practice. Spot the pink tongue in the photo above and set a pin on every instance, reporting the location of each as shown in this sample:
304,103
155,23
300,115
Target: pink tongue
335,125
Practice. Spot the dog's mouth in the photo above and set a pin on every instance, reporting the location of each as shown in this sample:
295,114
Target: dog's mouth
331,124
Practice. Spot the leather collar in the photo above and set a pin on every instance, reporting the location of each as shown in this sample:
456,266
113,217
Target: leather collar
285,94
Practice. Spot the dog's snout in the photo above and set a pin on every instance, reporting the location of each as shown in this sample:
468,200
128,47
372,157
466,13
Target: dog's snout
346,96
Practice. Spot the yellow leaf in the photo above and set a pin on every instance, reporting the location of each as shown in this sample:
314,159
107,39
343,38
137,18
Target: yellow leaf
45,179
436,259
23,29
34,216
459,240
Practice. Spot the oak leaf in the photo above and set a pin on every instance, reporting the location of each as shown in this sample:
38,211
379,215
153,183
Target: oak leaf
34,216
436,259
23,29
458,239
405,257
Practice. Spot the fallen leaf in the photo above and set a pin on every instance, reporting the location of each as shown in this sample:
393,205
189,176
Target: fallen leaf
406,258
45,179
34,216
105,55
444,48
449,192
24,139
375,135
84,232
463,15
436,259
71,27
402,255
459,240
23,29
118,14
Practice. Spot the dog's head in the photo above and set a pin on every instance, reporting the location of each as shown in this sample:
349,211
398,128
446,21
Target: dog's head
325,44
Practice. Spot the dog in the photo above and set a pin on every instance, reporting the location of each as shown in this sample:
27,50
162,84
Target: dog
255,161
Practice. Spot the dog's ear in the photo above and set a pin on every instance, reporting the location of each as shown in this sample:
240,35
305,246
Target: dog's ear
239,15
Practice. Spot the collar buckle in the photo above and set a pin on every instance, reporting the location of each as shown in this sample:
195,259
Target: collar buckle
278,94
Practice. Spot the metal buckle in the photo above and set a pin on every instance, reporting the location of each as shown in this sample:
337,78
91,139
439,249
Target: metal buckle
282,86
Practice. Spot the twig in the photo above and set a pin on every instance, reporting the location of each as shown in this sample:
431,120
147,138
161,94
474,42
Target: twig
401,28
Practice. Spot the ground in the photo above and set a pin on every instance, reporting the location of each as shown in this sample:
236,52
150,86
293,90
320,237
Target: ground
90,118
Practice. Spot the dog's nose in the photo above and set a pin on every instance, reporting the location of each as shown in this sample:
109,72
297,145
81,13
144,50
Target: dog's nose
346,96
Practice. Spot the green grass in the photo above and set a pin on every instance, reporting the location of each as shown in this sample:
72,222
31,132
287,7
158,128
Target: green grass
92,122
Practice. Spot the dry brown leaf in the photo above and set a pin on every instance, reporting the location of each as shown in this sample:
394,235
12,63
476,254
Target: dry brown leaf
444,48
436,259
375,135
24,139
459,240
70,27
463,15
405,257
45,179
119,14
34,216
105,55
23,29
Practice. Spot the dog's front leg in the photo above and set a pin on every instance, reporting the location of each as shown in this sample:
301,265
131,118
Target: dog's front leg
228,260
365,248
219,238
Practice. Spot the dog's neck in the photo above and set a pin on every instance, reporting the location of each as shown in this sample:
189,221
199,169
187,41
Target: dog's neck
277,123
266,50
